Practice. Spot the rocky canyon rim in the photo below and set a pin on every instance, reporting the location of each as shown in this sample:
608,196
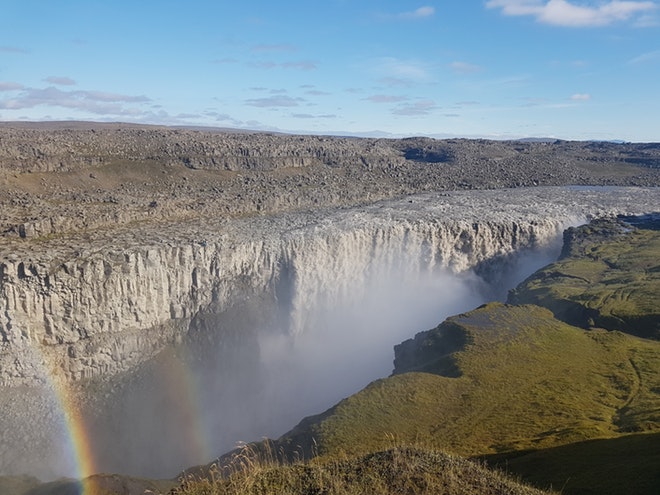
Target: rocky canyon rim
119,242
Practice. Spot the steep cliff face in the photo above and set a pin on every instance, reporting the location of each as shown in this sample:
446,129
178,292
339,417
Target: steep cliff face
80,312
107,311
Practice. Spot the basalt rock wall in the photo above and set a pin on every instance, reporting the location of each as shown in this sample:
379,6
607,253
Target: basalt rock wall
81,313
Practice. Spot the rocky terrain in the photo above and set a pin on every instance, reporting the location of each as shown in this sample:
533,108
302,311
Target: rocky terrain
73,176
122,245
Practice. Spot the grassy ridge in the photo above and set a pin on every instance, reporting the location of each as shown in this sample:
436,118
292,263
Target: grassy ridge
392,471
528,381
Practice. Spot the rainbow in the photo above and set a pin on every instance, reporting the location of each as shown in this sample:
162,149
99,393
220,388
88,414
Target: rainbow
182,389
78,436
179,378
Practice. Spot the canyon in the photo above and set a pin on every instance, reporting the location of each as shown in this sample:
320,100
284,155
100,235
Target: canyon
184,290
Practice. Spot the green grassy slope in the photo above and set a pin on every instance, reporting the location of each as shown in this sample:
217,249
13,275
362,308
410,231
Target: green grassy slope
608,276
528,381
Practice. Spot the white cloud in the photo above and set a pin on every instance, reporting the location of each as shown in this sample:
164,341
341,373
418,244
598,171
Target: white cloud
647,21
385,98
419,13
564,13
396,82
424,12
223,117
273,48
645,58
96,102
301,65
274,102
581,97
11,49
421,107
404,72
534,101
110,97
317,92
310,116
10,86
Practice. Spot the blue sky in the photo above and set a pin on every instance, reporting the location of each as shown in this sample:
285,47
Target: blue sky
499,68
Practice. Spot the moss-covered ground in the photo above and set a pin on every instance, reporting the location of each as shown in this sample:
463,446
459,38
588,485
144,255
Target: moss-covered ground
609,277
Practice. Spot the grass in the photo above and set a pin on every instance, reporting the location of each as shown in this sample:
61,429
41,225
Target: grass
609,278
627,464
527,381
399,470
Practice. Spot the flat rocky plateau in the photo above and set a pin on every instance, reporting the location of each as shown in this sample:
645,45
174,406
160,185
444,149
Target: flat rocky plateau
82,177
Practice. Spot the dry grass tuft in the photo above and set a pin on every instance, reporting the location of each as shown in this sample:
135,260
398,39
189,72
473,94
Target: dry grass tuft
257,470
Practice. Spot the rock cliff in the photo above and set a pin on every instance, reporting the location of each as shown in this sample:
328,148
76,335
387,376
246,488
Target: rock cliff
83,311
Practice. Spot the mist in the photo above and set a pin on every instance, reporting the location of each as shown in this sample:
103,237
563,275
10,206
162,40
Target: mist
246,376
255,370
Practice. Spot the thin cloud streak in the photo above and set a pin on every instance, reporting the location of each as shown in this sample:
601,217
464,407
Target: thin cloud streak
402,71
96,102
12,49
418,108
581,97
301,65
265,48
465,68
645,58
10,86
310,116
419,13
423,12
61,81
385,98
274,102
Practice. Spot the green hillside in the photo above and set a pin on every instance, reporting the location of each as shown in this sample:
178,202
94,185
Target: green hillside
608,276
527,381
573,408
